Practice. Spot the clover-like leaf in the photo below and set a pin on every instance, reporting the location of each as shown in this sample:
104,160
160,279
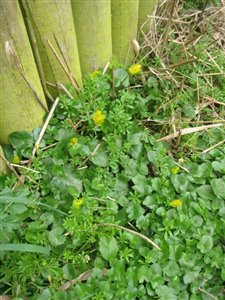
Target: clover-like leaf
108,247
56,236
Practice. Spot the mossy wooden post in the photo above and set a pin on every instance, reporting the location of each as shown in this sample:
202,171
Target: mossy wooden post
124,29
19,106
93,27
146,8
3,166
53,21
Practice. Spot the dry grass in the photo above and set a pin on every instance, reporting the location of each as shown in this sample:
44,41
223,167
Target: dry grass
182,37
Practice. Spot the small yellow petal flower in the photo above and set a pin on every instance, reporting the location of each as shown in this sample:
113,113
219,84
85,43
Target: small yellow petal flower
73,141
16,159
175,170
134,69
98,118
175,203
94,74
77,203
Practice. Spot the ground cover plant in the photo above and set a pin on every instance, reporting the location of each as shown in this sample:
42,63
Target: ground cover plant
112,206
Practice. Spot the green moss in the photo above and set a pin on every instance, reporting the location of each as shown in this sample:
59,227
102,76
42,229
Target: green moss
51,18
124,29
93,27
19,109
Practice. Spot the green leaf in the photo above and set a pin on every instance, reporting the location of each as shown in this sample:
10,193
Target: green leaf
100,158
171,269
24,248
219,166
18,139
144,274
166,293
205,244
121,77
108,247
141,184
157,280
205,192
189,277
8,197
218,186
56,236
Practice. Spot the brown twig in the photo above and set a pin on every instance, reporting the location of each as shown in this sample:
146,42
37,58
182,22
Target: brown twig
65,61
67,72
131,231
89,156
42,132
10,166
82,277
214,146
188,131
207,293
10,53
168,26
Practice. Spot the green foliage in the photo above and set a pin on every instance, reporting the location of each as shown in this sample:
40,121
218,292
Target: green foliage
114,173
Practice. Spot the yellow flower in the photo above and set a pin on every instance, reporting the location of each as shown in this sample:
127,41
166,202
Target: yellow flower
77,203
16,159
73,141
134,69
94,74
175,170
175,203
98,118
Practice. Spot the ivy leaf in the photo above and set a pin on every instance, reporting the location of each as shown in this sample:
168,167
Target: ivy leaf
205,244
166,293
100,158
171,269
121,77
144,274
219,166
218,186
108,247
56,236
18,139
205,192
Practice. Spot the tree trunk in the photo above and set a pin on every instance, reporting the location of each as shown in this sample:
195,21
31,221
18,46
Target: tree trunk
93,27
124,29
22,102
146,8
53,21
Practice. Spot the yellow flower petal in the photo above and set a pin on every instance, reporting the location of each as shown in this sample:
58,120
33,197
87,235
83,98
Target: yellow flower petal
94,74
16,159
134,69
73,141
98,118
77,203
175,203
175,170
